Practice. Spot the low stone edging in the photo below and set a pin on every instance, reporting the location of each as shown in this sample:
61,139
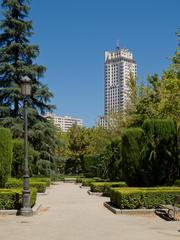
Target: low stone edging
95,193
116,210
69,180
85,187
35,209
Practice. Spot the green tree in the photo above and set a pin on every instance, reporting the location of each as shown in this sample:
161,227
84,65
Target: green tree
112,161
132,143
159,155
78,147
17,58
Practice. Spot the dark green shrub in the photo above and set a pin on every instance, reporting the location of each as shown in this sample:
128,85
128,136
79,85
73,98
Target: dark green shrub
12,198
112,161
160,153
132,143
90,165
5,155
132,198
18,158
44,167
177,183
150,155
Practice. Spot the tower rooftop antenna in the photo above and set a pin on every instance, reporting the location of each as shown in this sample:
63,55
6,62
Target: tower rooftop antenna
117,45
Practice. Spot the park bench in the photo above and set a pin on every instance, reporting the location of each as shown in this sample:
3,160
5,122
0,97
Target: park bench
174,208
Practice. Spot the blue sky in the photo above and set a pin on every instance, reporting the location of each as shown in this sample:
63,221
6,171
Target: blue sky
73,35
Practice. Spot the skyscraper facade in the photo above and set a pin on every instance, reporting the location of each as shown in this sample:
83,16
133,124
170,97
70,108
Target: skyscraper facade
119,67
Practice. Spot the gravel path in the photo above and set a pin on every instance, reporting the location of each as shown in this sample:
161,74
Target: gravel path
69,213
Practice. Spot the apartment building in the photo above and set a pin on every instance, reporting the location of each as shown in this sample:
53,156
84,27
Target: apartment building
64,122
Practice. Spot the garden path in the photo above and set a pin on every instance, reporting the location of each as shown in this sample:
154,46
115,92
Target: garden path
69,213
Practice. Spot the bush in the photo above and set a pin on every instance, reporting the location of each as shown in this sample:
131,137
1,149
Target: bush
149,155
177,183
132,143
160,153
90,166
40,186
5,155
112,161
14,183
12,198
41,179
133,198
18,183
88,181
105,187
18,158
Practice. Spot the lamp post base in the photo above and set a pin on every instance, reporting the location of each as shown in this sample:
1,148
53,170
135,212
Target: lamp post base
27,212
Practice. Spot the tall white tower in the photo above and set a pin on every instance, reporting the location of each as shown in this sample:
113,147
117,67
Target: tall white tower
119,66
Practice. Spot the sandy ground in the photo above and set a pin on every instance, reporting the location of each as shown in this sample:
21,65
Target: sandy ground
69,213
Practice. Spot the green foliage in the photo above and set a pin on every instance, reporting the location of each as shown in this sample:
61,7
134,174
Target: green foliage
90,163
111,161
177,183
43,167
132,143
78,147
149,155
88,181
105,187
18,158
17,58
41,179
160,98
132,198
159,155
12,198
5,155
39,184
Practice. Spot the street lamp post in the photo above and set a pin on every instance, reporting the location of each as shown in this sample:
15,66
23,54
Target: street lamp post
26,209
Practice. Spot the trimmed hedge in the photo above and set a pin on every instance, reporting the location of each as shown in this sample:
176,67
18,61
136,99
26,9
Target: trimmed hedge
5,155
88,181
105,187
41,186
133,198
18,183
39,179
12,198
177,183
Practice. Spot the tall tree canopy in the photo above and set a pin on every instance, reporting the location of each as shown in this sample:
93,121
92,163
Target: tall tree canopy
17,59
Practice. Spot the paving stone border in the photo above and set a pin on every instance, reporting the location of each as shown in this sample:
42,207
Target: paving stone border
35,209
42,194
116,210
95,193
69,180
85,187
